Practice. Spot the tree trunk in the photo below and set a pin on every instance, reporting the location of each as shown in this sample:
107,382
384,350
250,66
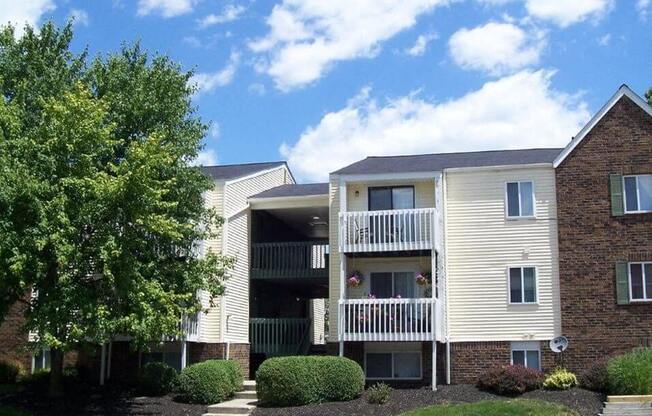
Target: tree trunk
56,373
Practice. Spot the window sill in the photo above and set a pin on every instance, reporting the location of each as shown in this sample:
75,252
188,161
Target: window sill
521,218
523,304
639,301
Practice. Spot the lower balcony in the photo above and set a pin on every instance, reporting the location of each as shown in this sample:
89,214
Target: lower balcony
276,337
289,260
191,327
390,319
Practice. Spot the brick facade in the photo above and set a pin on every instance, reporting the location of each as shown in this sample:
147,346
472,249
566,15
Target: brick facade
591,240
199,351
13,342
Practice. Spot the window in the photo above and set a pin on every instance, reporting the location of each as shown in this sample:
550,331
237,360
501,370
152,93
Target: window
640,281
41,361
638,193
520,199
526,354
522,285
387,285
391,197
393,365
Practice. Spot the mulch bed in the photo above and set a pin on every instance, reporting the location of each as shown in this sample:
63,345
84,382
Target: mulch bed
99,402
585,402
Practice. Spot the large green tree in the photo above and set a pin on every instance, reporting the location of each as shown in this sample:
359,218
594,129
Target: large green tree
100,206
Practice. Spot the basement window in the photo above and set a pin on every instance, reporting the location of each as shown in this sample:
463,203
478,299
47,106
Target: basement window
526,354
404,365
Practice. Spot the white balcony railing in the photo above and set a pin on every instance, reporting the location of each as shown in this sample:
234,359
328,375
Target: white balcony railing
190,327
388,319
391,230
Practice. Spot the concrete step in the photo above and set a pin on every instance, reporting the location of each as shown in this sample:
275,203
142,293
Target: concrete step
249,385
233,407
246,394
629,405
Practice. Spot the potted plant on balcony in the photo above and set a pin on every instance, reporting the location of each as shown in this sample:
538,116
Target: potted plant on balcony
423,279
354,279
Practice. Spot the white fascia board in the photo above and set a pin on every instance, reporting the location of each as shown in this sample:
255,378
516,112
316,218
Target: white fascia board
623,91
303,201
346,178
500,167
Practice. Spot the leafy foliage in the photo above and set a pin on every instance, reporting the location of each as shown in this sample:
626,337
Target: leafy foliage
595,377
294,381
102,207
631,373
10,371
379,393
560,379
510,380
157,379
648,95
210,382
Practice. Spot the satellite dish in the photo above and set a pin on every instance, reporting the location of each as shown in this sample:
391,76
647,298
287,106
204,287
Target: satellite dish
559,344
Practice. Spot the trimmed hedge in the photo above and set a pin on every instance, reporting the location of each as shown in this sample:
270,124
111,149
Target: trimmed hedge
10,371
157,379
631,373
210,382
295,381
510,380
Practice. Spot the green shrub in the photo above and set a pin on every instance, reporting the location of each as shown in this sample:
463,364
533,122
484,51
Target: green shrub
294,381
10,371
560,379
631,373
510,380
210,381
595,377
157,379
378,393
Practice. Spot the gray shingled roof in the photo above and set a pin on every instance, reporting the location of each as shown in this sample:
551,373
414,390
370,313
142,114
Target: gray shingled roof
303,189
228,172
440,161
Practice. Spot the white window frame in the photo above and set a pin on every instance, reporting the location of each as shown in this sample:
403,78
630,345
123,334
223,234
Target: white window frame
392,353
638,195
536,285
520,208
647,297
393,273
525,346
42,361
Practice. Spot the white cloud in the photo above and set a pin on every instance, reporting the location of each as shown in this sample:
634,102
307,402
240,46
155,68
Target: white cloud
257,88
496,48
214,132
307,37
209,81
206,157
643,8
80,17
565,12
166,8
230,13
23,12
419,47
604,40
518,111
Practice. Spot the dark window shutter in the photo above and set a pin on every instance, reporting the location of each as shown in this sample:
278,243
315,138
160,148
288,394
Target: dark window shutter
622,283
616,191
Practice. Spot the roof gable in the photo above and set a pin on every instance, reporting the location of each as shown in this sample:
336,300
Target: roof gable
623,91
232,172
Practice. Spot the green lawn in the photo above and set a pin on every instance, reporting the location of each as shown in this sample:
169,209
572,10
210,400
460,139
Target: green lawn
10,411
517,407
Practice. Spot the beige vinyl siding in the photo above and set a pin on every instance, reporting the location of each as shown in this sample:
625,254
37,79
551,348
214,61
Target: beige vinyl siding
481,244
215,199
424,194
317,313
210,319
334,266
236,244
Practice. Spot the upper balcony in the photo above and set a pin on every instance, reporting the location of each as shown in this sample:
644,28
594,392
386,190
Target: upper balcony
387,230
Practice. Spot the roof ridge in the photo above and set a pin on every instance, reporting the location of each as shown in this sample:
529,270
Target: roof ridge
472,151
246,164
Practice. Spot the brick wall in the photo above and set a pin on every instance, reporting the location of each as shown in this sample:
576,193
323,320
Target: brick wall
591,240
13,342
198,352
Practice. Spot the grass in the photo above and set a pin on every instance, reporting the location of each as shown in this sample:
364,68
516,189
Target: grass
518,407
10,411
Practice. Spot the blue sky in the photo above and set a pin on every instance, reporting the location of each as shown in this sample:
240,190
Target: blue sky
324,83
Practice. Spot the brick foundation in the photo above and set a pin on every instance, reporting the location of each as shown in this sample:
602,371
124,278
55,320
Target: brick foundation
592,240
199,351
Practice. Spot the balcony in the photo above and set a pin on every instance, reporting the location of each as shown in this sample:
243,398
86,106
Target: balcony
190,327
276,337
389,319
289,260
391,230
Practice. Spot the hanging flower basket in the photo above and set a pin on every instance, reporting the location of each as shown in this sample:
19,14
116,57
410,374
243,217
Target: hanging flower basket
354,280
423,279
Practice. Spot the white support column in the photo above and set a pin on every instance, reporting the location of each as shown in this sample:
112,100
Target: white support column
341,318
184,354
103,364
434,365
108,369
448,362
